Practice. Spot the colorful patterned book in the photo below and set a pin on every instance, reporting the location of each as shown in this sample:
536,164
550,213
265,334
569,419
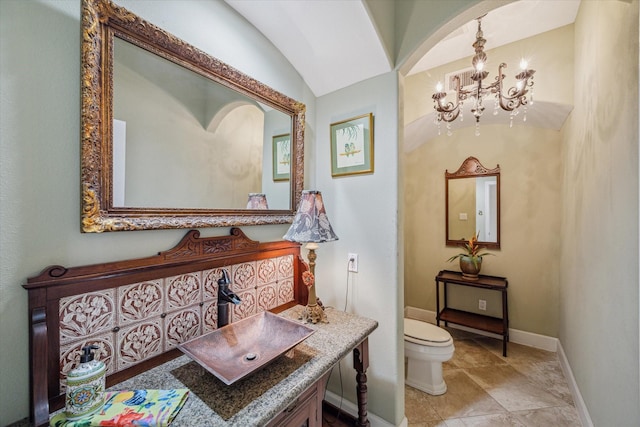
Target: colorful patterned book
144,408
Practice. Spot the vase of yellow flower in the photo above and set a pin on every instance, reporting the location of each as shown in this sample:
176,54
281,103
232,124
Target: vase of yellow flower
470,267
471,259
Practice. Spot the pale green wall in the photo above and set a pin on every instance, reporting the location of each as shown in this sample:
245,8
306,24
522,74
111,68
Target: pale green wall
362,210
174,159
599,233
40,151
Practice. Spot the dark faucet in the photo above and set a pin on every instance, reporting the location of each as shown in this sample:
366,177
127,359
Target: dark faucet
225,296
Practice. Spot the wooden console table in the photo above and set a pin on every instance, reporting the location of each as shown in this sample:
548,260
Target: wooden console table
482,322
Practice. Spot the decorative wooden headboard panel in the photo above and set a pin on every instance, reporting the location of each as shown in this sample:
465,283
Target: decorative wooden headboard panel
137,311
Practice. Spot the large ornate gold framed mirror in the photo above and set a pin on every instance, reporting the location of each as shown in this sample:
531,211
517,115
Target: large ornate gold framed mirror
472,204
174,138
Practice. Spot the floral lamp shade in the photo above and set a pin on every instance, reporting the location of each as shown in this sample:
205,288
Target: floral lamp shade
311,223
257,201
311,226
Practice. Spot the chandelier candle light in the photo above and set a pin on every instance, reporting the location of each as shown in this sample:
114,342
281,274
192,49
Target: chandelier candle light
311,226
514,98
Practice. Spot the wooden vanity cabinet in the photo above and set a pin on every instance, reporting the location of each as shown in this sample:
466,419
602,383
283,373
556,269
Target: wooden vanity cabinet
306,410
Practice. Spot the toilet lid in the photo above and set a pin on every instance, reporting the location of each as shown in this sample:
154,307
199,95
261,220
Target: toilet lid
424,331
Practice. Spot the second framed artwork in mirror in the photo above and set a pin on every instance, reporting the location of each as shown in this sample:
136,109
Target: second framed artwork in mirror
281,157
472,204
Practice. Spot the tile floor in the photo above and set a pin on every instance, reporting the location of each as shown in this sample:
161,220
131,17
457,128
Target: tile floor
484,389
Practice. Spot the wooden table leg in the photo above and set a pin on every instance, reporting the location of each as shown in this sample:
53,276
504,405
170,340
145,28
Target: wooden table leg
437,303
505,323
361,363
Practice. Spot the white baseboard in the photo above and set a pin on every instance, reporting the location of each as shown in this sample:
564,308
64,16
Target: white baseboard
530,339
420,314
351,409
581,407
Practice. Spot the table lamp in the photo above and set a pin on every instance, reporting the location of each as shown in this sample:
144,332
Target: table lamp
257,201
311,226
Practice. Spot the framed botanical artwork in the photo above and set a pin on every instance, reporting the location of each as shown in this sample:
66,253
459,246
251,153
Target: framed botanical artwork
281,157
352,146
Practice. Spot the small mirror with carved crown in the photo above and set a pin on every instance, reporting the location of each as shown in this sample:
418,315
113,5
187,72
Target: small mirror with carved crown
472,204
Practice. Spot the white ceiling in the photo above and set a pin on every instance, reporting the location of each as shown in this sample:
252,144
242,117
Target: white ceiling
333,43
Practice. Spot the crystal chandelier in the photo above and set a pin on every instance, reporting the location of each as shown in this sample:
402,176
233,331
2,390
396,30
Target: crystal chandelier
514,98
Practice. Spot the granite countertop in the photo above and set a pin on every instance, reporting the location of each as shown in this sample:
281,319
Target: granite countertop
257,399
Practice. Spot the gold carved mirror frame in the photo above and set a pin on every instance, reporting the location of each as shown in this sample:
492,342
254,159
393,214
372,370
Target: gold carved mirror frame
458,203
103,20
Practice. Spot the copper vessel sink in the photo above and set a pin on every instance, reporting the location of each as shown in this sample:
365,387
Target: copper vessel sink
238,349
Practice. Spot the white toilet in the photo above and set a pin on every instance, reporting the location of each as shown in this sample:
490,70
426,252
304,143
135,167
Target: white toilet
426,346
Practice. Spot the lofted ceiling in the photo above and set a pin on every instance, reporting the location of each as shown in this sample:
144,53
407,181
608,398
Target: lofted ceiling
334,43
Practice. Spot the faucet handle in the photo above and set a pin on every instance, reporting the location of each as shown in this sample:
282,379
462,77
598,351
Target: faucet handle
235,299
224,280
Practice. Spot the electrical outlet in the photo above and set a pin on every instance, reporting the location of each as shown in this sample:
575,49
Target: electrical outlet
353,262
482,304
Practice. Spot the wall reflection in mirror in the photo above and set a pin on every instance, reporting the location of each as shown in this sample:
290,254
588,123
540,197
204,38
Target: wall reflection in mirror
183,141
473,204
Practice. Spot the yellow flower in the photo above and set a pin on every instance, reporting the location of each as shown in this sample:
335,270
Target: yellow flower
472,250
